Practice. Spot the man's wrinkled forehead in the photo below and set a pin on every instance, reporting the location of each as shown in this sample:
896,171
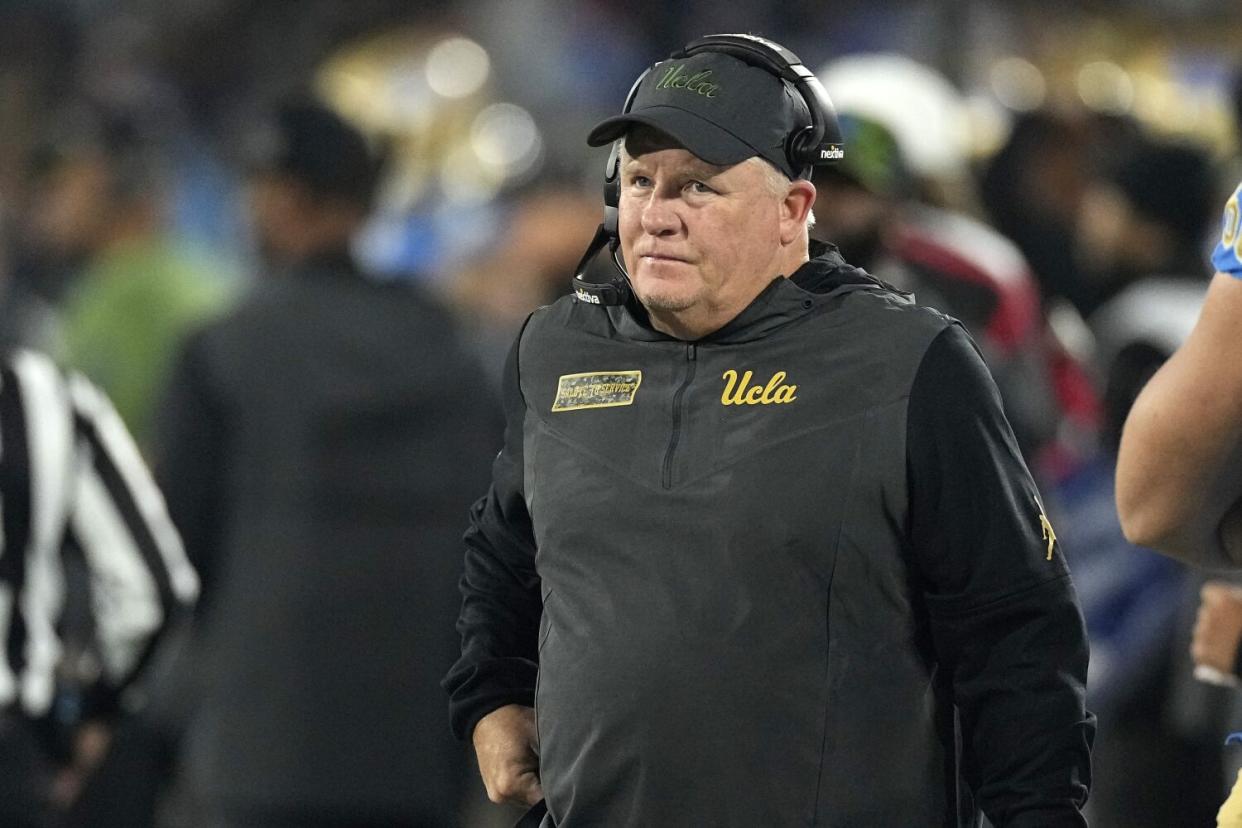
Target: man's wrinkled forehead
642,140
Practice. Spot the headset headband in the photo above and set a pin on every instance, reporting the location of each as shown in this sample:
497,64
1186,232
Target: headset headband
817,144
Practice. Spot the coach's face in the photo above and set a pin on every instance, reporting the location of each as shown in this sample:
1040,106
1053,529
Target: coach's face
700,242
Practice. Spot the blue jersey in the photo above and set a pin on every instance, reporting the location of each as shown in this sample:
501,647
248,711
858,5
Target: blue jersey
1227,258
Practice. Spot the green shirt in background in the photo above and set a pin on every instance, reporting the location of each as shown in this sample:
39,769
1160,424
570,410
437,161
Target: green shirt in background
125,319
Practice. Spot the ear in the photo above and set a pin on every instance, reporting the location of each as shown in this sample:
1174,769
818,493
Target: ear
794,208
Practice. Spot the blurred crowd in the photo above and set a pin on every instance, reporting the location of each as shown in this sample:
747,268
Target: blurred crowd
191,194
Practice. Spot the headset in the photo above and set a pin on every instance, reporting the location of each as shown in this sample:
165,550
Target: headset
816,144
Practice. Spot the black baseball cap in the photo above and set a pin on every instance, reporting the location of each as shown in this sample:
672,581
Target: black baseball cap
720,108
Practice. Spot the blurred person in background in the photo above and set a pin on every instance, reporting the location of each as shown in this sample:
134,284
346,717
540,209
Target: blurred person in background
97,230
1031,189
868,206
76,496
320,444
28,320
1142,229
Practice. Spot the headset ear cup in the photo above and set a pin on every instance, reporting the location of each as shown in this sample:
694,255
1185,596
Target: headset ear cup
801,145
802,150
612,189
611,217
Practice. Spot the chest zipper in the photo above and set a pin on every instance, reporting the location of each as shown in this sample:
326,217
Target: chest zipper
691,357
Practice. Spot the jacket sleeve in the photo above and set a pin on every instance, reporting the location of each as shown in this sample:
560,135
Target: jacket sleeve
501,603
141,581
191,455
1004,618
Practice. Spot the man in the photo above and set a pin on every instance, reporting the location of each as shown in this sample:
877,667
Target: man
98,222
73,487
760,545
320,445
1141,233
1178,489
1144,216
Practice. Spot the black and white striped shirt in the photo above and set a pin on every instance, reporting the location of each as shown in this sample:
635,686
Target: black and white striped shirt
71,475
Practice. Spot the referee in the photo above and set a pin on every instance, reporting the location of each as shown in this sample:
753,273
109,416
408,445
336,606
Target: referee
72,482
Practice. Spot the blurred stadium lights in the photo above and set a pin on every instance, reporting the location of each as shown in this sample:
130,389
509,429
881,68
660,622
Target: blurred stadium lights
1017,84
1171,73
427,95
505,146
457,67
1170,102
381,83
459,177
989,124
505,138
1105,87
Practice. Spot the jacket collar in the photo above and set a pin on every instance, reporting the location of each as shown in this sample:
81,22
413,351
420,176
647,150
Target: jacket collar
825,276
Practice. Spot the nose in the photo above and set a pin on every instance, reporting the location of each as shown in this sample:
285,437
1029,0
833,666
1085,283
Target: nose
658,217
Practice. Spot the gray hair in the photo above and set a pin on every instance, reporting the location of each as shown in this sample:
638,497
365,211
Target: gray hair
777,183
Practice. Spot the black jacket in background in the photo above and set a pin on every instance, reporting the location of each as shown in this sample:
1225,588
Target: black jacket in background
776,606
321,445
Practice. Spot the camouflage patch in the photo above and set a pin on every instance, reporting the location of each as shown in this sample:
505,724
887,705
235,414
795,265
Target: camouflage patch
601,389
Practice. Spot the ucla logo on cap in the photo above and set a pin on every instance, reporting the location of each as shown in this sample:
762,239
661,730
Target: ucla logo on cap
676,77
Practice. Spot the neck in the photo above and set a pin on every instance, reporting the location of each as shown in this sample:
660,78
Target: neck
314,238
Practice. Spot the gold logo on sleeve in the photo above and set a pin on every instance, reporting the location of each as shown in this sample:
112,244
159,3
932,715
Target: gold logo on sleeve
598,389
1049,534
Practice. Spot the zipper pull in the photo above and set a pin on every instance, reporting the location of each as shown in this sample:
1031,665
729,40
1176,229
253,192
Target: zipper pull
691,351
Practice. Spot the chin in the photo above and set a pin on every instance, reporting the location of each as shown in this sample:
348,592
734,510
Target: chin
663,297
665,293
666,304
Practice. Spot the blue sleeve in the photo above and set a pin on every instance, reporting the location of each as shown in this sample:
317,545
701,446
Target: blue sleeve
1225,258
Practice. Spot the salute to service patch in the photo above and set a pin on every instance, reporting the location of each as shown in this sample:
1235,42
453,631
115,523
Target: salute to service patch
601,389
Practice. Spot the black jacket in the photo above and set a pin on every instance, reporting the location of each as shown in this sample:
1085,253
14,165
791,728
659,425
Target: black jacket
771,577
320,446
